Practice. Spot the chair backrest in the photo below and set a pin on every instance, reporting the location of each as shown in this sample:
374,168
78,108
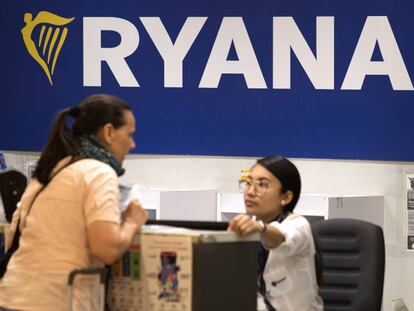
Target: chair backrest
350,264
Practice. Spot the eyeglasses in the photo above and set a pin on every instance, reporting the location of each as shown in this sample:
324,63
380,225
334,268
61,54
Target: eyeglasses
259,186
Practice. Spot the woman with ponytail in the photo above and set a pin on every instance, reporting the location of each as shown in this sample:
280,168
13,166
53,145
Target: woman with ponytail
69,216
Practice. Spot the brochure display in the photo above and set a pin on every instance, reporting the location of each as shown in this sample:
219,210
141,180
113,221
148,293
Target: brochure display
169,268
167,264
126,287
409,212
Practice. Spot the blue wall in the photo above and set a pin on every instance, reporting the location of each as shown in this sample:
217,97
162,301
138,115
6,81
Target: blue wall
312,117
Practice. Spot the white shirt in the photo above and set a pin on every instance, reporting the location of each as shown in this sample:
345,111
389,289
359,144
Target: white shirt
289,273
54,238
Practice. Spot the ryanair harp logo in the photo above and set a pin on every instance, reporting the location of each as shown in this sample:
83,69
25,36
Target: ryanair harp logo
51,36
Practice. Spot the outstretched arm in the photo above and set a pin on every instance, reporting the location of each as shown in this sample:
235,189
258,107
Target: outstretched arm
270,236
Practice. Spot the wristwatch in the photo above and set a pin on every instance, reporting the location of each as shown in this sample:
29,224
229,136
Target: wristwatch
262,226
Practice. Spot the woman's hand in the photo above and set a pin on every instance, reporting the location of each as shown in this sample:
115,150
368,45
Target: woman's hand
135,214
243,225
108,241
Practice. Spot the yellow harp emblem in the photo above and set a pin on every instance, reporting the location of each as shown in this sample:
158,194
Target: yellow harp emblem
51,37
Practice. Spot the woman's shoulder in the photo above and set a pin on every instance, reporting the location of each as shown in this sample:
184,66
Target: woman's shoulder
293,223
297,219
93,168
91,163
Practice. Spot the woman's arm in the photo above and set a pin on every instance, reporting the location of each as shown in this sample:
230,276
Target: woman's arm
270,236
10,231
108,241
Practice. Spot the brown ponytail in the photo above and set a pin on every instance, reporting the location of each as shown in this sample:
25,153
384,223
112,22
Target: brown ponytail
89,116
61,143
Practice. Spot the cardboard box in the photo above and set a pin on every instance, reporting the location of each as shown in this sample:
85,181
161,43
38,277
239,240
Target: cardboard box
170,269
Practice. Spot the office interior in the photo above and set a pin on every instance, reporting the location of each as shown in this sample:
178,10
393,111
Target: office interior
335,178
340,171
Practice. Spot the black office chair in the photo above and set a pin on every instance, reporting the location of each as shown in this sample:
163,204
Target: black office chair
350,264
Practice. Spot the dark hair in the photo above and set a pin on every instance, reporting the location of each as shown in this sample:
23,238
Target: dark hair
288,175
89,116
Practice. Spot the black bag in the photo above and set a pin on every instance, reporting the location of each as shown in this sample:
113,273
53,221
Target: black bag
14,246
12,185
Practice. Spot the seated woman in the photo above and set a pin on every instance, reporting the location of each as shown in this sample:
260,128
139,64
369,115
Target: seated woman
286,274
